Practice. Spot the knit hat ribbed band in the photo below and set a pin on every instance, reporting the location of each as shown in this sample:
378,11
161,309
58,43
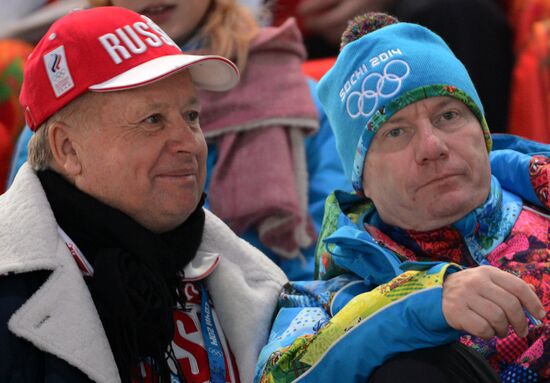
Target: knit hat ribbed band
381,73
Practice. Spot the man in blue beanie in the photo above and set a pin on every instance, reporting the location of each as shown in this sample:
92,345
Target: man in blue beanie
436,269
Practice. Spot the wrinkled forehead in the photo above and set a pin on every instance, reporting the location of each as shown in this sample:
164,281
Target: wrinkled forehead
432,111
428,108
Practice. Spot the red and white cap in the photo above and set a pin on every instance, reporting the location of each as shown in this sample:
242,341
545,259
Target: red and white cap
108,49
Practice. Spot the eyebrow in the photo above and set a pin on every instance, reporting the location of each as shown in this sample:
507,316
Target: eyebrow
438,104
192,101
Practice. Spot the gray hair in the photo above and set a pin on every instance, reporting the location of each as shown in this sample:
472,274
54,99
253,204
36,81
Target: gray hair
40,155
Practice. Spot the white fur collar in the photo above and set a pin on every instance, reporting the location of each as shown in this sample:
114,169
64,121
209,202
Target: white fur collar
60,317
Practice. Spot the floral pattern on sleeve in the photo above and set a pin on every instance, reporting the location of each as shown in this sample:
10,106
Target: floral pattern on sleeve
539,171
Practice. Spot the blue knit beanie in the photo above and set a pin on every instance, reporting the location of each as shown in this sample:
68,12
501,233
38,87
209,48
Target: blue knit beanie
379,74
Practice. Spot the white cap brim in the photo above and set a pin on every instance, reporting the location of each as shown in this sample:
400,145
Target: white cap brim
214,73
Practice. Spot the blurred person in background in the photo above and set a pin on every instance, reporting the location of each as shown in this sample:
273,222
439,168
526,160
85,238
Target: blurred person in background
271,153
476,30
13,54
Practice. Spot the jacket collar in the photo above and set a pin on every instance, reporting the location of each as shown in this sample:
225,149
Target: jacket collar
62,307
60,317
482,230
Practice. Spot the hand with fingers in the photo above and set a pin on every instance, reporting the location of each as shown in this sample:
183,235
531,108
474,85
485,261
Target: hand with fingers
329,18
484,301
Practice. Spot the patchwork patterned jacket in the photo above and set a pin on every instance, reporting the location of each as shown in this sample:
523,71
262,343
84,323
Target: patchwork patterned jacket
379,291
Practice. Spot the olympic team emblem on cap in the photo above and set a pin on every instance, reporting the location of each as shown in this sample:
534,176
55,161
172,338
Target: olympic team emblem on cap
56,63
58,71
376,86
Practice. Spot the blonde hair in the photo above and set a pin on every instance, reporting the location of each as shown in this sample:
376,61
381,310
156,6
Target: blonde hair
229,29
40,155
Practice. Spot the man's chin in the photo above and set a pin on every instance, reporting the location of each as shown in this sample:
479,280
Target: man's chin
167,216
448,209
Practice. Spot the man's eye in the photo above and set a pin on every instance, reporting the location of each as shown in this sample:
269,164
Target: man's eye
192,116
395,132
153,119
450,119
447,116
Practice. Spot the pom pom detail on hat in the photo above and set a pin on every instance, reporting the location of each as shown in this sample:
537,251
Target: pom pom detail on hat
363,24
383,66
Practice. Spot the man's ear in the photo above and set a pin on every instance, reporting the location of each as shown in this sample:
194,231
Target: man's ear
64,148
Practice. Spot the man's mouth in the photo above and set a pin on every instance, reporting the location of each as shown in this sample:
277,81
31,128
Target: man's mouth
438,179
178,173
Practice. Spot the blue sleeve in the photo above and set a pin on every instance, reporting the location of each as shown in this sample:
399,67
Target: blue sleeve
324,166
310,344
511,168
519,144
20,155
210,162
510,160
415,323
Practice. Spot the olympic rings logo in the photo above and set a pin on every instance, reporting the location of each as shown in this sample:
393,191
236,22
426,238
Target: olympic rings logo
376,85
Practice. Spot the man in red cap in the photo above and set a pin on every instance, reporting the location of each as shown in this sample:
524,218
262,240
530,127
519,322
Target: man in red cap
110,269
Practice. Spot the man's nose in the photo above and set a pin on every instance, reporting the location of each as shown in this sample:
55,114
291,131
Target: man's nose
429,144
183,136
